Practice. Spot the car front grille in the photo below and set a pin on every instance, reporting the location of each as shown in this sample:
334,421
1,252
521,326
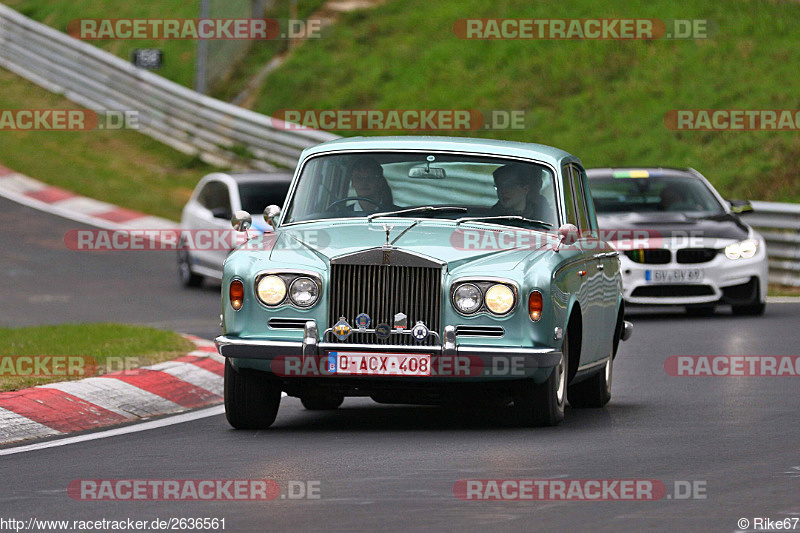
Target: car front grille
649,256
382,291
696,255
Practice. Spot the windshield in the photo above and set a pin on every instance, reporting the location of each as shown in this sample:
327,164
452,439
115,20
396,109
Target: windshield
654,194
363,184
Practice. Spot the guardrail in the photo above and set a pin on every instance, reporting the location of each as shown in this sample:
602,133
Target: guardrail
219,133
780,225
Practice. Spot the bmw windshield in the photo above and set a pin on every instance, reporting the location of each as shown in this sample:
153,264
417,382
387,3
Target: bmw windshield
626,192
428,185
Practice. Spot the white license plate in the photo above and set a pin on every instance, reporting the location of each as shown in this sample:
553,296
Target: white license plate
378,364
674,275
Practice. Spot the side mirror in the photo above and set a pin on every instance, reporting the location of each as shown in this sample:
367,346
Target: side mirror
740,207
220,212
569,234
271,214
241,221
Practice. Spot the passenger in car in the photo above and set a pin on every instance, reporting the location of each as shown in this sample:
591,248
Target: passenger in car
518,188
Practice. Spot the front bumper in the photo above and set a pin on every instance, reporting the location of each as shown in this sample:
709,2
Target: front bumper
494,362
724,282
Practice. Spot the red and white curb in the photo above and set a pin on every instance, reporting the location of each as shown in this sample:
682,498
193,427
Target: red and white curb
54,200
192,381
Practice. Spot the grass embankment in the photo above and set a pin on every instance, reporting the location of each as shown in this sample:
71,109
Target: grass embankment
96,349
605,101
123,167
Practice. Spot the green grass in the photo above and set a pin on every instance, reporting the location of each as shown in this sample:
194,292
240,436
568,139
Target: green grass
604,101
122,167
783,290
107,344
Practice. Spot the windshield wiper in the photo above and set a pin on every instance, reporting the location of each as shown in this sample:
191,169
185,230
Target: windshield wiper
541,223
423,209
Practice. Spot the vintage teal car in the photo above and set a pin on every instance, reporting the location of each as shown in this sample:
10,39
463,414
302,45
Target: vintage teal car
424,270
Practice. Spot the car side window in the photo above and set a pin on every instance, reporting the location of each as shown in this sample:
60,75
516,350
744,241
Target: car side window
580,199
215,196
569,203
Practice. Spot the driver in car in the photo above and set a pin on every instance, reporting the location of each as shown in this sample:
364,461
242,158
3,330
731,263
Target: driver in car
518,192
367,178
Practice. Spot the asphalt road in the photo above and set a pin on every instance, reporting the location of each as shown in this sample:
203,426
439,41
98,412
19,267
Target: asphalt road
43,282
394,467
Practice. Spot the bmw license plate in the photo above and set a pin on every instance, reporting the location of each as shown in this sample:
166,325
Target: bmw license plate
378,364
674,275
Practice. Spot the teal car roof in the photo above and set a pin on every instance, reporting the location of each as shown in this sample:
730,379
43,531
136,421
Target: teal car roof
540,152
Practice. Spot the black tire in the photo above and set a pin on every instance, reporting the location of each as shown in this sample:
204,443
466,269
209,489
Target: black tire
749,310
321,400
252,398
700,310
594,391
543,405
755,308
185,274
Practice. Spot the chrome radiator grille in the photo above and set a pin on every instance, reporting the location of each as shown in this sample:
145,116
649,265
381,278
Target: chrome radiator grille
381,291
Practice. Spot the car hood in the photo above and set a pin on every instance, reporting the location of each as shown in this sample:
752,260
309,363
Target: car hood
676,225
314,245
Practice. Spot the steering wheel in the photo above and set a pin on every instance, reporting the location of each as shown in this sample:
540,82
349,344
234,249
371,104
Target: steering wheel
350,199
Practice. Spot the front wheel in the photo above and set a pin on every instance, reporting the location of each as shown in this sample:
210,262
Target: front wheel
185,274
594,391
252,398
543,404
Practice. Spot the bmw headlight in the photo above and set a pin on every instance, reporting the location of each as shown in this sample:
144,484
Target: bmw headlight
467,298
271,290
744,249
304,292
499,299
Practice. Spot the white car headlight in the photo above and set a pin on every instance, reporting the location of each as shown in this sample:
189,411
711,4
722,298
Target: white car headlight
271,290
304,292
499,299
744,249
467,298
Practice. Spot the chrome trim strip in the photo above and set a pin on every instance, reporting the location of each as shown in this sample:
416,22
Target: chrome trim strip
397,257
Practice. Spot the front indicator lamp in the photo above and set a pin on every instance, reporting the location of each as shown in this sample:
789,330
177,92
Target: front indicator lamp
535,305
236,293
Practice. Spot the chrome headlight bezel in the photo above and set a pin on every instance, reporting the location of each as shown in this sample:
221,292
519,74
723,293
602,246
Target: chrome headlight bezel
483,285
288,278
304,279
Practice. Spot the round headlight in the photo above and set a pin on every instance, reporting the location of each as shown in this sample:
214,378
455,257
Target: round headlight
467,298
271,290
304,292
499,299
748,248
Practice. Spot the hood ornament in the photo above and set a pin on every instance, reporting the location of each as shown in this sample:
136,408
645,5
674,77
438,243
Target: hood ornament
388,230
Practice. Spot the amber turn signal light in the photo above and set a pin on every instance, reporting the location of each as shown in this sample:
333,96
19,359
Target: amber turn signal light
535,304
237,294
